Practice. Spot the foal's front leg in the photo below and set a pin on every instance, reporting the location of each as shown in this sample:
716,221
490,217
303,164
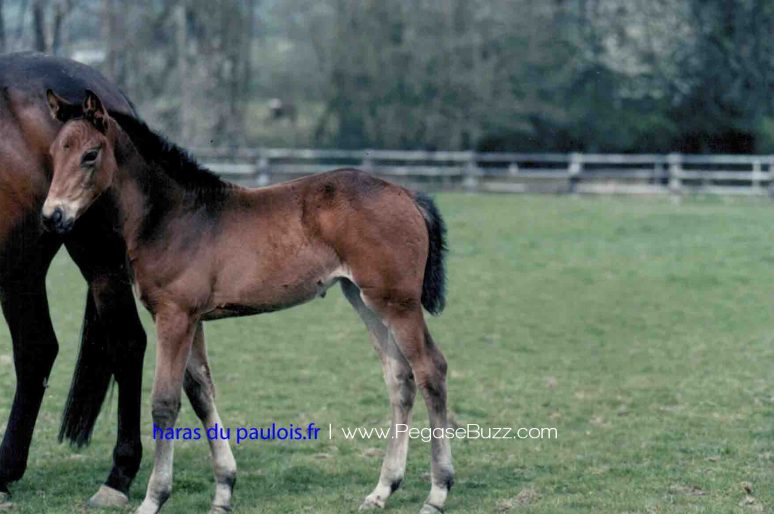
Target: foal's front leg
174,332
200,390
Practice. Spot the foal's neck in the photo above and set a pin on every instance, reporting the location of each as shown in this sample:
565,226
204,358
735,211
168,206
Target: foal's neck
155,206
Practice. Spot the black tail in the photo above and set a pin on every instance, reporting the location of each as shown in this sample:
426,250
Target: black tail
434,286
91,380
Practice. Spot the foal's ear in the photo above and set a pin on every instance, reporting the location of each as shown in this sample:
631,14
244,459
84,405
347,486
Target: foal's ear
59,108
94,111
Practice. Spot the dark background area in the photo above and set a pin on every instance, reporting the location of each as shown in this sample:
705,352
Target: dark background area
554,75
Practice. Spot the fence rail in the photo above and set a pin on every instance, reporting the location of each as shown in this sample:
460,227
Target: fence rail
510,172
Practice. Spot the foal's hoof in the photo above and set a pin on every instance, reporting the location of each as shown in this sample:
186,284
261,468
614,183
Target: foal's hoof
430,509
5,501
220,509
106,497
371,504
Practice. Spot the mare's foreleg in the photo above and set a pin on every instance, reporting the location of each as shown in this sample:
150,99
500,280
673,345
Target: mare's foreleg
113,344
121,327
35,348
26,255
201,392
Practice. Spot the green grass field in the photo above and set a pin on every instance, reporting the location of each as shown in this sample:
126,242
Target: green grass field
642,330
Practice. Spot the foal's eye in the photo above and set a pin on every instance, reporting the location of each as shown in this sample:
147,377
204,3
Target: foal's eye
90,156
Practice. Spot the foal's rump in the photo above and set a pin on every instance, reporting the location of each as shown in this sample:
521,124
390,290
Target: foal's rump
388,238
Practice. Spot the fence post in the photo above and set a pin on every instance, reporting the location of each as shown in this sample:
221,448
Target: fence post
471,174
757,177
262,171
675,173
770,175
367,164
658,172
574,170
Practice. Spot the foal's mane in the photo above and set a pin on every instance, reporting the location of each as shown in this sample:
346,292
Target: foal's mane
206,192
169,158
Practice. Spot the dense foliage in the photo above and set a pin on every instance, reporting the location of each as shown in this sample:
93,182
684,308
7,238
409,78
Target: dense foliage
587,75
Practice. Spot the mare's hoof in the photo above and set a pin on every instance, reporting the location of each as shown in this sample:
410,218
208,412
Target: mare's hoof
107,497
370,504
220,509
5,501
430,509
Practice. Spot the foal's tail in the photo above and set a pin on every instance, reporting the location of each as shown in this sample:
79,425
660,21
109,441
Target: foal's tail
434,285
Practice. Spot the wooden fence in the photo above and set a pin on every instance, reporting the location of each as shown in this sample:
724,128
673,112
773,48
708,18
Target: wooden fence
510,172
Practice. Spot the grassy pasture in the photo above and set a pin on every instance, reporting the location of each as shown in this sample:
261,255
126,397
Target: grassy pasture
642,330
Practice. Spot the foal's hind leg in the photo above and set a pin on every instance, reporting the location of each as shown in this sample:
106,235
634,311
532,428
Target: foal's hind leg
401,389
201,392
403,316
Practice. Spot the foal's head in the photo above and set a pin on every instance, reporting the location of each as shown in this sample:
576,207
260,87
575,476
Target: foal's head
83,160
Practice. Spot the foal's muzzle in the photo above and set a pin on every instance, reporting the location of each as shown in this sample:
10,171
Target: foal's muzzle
56,222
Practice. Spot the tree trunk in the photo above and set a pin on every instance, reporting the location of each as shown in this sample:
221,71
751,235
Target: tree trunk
39,25
60,11
2,29
114,40
245,75
184,111
20,21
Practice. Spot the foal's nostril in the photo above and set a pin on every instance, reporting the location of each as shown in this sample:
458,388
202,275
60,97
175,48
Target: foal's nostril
56,221
65,227
48,224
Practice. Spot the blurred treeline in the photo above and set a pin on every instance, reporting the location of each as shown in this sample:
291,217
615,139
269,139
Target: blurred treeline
528,75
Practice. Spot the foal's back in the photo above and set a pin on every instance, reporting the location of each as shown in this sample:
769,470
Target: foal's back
285,244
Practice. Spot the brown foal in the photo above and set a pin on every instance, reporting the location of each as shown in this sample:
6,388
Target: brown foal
203,249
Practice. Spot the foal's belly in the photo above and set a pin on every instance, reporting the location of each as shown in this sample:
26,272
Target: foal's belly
289,282
269,303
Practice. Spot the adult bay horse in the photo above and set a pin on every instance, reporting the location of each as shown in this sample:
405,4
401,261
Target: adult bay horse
203,249
113,341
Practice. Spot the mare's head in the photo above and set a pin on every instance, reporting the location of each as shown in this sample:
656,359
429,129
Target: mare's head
83,160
